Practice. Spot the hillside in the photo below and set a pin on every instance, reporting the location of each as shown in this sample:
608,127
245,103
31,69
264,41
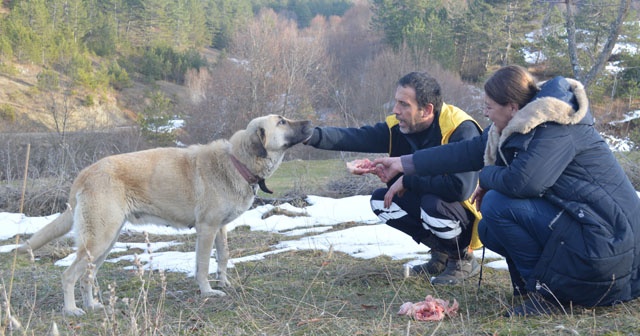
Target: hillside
26,108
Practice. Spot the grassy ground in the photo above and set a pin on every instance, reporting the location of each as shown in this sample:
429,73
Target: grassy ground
294,293
304,177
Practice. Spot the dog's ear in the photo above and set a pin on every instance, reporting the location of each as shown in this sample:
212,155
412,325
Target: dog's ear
257,143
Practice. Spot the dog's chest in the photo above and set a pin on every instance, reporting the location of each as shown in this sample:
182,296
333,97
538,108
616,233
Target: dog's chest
234,212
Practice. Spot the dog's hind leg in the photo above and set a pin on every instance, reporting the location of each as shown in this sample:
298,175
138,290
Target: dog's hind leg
83,268
88,279
222,256
97,230
204,245
69,278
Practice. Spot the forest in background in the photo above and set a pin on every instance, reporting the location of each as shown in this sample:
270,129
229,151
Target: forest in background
218,63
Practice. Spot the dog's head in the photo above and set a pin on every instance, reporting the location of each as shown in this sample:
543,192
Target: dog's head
274,133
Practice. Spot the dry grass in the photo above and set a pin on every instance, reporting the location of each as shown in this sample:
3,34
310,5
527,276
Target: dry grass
292,293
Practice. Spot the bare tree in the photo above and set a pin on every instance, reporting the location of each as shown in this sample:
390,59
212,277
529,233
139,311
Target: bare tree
221,107
607,48
304,65
353,97
283,67
352,42
256,49
275,68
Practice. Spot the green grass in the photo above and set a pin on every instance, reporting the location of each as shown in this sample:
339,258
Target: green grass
293,293
304,176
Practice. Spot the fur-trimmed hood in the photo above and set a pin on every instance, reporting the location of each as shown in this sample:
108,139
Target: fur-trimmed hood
543,108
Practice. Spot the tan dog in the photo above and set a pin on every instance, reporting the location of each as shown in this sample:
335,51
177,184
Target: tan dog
205,186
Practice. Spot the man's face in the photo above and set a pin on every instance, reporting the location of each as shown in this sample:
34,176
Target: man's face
412,119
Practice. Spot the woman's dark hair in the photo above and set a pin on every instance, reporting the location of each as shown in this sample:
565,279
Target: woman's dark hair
426,87
511,84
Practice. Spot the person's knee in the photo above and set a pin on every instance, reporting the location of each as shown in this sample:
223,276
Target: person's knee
432,205
488,237
492,209
377,199
493,204
378,194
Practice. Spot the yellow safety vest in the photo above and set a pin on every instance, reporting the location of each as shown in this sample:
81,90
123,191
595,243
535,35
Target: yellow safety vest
450,118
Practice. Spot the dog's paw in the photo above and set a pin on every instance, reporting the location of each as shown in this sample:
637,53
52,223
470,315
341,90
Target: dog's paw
75,311
213,293
95,305
224,283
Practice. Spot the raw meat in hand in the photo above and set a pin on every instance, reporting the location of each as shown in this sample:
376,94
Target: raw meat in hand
361,166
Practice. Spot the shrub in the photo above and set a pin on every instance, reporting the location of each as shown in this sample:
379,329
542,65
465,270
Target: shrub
88,101
101,40
118,77
634,135
83,73
7,113
54,157
630,162
349,185
48,80
167,64
155,120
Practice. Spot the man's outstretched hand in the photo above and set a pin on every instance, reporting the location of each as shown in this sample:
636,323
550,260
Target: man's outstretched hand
361,167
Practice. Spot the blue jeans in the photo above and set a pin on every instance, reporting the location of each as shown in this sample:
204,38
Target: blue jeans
518,229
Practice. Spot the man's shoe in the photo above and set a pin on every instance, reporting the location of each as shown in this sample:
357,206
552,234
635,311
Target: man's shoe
433,267
458,270
535,305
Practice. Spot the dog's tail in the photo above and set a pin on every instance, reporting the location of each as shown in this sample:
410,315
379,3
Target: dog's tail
51,231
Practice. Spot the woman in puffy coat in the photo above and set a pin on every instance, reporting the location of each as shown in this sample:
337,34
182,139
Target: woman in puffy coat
554,200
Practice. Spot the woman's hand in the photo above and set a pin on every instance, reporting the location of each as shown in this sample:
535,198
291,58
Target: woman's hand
387,168
396,189
477,196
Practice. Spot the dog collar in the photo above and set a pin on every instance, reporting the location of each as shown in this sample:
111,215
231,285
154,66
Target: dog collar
248,175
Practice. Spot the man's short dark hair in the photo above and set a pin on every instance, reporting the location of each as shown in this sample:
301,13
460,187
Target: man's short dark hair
426,87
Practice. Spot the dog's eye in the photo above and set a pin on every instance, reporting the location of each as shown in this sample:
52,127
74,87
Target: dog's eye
282,122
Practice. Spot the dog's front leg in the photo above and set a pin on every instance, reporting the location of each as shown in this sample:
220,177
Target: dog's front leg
222,256
204,244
